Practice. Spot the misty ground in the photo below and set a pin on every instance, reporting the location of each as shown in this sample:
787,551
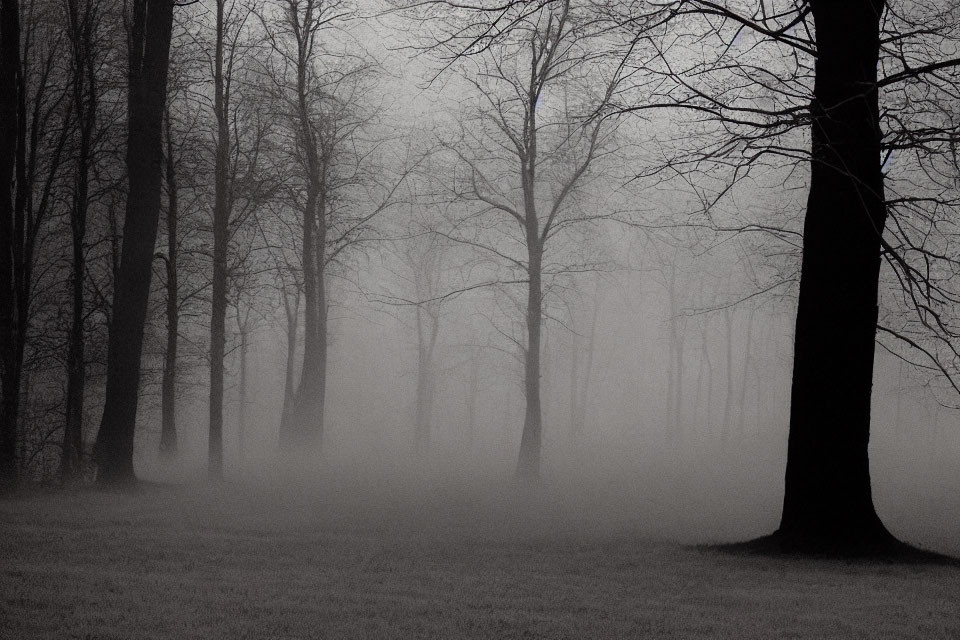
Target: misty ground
381,557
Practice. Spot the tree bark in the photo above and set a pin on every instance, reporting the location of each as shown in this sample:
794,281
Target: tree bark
81,30
306,426
168,390
292,314
242,327
221,223
319,402
528,466
149,52
828,502
11,126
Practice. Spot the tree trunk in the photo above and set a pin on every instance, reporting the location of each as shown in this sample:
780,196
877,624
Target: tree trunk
576,427
11,125
221,222
297,435
728,401
320,388
168,390
745,370
81,25
582,389
528,466
674,421
242,404
828,501
708,364
305,402
306,430
292,313
149,50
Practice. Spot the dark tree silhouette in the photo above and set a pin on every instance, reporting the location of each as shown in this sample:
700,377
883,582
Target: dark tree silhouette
828,504
36,122
83,21
828,500
11,126
222,77
151,23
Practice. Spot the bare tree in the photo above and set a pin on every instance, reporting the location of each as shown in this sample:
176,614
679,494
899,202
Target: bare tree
525,154
37,116
422,257
185,276
294,37
830,79
343,179
83,24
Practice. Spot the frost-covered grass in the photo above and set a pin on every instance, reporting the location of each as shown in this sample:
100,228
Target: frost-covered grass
394,562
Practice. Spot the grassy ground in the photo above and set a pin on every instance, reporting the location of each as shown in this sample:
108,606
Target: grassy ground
197,562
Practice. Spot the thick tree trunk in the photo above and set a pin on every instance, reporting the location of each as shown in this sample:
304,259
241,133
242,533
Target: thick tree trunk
221,222
297,435
151,25
828,501
306,425
168,389
11,124
306,403
306,430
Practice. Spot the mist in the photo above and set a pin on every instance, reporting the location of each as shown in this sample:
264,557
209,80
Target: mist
439,302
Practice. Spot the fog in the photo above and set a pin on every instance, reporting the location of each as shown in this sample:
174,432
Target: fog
712,472
540,267
479,318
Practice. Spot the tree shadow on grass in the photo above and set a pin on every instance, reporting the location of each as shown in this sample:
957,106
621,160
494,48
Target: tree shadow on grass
887,550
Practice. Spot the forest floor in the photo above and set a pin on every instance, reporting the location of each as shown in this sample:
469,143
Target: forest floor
231,562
